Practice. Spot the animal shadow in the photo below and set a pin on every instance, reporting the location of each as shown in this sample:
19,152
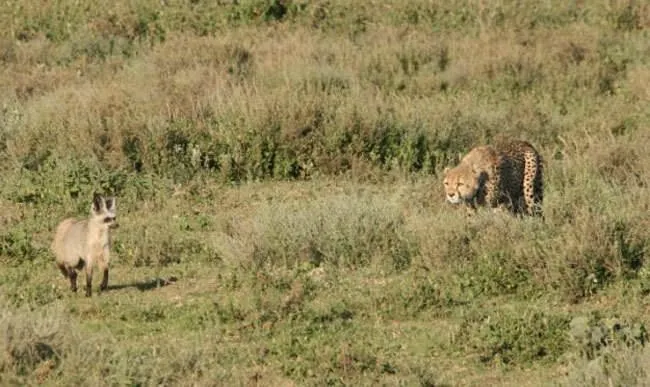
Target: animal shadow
143,286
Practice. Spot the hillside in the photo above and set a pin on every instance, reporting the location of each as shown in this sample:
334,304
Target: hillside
277,167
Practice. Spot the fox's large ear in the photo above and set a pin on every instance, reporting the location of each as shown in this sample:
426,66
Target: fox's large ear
110,203
97,202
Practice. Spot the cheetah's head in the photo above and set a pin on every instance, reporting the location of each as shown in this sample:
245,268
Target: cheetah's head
461,183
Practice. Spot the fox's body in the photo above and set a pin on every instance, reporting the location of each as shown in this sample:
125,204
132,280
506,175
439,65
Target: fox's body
80,244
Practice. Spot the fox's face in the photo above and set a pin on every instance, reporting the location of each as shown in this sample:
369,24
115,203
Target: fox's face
103,211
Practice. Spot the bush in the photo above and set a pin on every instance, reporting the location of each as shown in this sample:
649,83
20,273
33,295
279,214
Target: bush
343,231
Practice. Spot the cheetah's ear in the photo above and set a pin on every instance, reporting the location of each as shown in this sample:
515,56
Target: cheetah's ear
444,171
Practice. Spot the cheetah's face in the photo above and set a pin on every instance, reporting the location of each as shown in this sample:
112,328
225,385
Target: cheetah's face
461,184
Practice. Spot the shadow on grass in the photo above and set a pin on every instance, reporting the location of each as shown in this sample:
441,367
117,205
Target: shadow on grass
151,284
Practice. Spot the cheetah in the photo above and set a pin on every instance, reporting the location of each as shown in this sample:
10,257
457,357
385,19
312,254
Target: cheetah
508,174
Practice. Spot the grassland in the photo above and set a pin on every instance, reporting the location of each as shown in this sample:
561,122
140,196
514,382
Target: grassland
277,167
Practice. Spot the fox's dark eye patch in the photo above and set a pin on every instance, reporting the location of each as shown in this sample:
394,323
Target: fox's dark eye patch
109,219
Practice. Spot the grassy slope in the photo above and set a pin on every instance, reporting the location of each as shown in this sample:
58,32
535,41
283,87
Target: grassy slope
281,161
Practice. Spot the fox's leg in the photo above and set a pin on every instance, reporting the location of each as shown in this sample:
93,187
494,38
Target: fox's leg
104,285
63,269
102,263
89,276
69,273
73,279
